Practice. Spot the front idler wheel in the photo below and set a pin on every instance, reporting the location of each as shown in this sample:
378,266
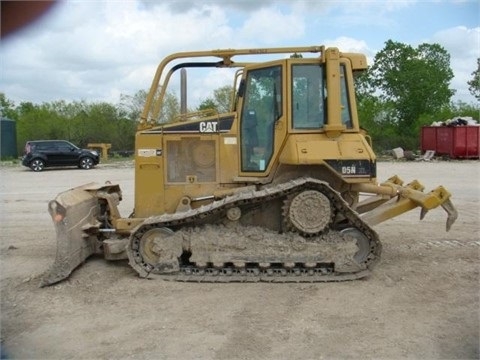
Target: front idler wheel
155,251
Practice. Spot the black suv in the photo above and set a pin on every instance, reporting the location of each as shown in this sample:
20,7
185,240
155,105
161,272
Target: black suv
39,154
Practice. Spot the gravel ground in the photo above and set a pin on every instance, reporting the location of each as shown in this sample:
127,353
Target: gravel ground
422,300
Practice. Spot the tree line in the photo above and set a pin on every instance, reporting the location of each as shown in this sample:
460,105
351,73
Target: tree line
78,121
404,89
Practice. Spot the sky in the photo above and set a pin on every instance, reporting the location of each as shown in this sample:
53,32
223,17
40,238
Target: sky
94,51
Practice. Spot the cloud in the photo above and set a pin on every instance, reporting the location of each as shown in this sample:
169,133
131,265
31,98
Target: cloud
460,40
181,6
84,50
90,50
347,44
463,45
271,26
97,50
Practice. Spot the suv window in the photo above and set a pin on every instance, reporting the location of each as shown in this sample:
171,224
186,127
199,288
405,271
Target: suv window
41,146
61,146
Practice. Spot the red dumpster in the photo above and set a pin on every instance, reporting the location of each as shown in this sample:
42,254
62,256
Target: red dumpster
454,141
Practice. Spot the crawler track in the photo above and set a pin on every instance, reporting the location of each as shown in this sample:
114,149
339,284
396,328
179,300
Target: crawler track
297,275
201,245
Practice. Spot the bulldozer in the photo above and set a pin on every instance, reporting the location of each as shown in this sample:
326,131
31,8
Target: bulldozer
281,187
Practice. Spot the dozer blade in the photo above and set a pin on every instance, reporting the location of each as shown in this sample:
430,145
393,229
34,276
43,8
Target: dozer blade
75,217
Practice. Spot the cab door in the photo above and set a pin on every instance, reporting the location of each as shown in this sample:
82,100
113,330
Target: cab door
262,118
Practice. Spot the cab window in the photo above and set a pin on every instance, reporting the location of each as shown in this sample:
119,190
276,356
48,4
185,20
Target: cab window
262,107
308,96
346,113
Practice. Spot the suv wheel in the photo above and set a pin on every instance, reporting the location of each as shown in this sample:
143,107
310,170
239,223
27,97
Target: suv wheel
37,165
86,163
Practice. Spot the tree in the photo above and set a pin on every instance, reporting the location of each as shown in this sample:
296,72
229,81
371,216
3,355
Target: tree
207,104
170,108
132,106
221,100
474,84
409,82
7,107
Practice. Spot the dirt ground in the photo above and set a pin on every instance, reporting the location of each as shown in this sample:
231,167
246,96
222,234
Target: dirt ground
422,300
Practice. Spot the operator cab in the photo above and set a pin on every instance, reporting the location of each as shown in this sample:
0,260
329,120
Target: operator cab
265,116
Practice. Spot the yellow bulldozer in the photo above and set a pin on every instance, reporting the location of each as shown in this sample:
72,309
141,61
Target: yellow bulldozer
280,188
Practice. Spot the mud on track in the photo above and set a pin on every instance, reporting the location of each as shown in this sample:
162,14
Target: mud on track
422,300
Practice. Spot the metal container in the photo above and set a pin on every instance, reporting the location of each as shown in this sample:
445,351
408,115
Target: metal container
455,141
8,141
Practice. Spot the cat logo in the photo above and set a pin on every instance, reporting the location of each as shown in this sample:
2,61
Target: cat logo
208,126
